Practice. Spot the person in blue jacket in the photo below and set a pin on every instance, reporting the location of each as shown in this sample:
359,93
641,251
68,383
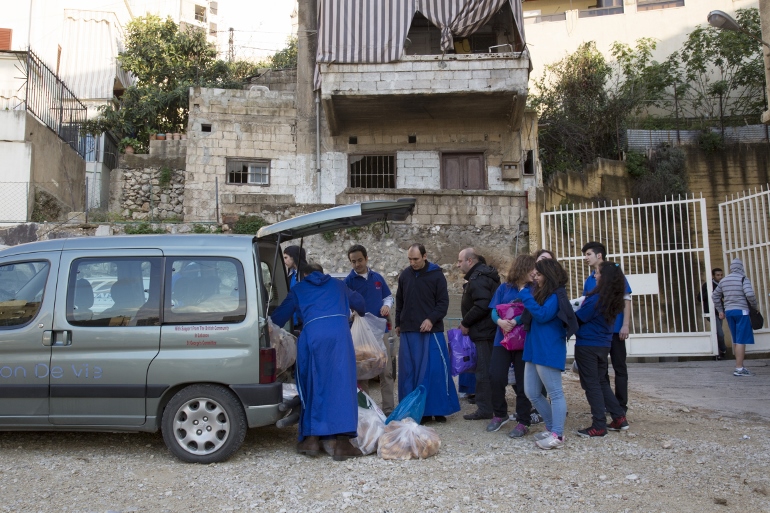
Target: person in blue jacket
422,301
373,288
593,339
518,278
545,349
326,361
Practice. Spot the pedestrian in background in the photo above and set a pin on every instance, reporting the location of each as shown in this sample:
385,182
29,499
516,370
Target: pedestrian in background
732,299
716,276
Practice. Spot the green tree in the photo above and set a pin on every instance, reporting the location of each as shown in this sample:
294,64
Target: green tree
287,57
717,73
584,103
166,62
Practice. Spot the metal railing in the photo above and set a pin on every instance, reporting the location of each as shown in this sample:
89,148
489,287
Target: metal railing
649,5
51,101
602,11
562,16
641,140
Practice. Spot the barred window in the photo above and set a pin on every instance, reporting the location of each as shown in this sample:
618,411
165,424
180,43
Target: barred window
248,172
373,172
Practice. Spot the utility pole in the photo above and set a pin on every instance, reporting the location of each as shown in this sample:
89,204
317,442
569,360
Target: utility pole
230,47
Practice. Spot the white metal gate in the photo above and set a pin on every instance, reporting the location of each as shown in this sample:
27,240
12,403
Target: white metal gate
663,249
745,224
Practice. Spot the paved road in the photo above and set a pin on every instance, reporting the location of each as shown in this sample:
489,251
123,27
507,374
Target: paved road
707,385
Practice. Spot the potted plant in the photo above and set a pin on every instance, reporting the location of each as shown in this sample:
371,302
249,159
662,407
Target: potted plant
129,145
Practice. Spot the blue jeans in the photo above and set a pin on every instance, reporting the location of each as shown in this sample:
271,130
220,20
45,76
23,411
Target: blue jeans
554,413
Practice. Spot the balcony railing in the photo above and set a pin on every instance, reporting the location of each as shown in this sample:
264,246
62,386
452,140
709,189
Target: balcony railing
649,5
562,16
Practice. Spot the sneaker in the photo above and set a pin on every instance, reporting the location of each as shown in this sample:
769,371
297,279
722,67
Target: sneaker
496,424
477,415
542,435
743,371
535,418
519,431
552,441
592,432
619,424
462,395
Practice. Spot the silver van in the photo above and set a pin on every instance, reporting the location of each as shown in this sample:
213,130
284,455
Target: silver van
140,333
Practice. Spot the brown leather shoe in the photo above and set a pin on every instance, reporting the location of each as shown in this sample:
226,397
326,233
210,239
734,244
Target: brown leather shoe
344,449
310,446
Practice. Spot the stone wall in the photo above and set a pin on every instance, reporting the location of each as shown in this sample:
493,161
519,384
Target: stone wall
136,188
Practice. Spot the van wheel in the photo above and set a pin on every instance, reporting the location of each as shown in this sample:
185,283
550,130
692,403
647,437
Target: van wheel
204,424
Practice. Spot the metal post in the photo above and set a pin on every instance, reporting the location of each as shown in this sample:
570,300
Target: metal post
86,200
216,196
152,217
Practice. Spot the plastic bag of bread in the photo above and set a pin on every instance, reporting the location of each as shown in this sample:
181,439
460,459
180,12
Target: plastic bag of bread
370,351
285,345
406,439
370,428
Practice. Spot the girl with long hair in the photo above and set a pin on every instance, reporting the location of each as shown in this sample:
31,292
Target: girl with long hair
501,359
545,351
596,317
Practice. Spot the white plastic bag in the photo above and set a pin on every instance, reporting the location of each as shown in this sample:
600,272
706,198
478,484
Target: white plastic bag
370,351
370,428
378,325
577,303
406,439
365,401
285,345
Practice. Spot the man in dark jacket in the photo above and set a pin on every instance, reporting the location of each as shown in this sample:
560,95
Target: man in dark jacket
716,276
422,301
481,282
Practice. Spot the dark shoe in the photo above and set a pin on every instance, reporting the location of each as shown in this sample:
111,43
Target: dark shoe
310,446
344,449
519,431
471,398
476,415
619,424
535,418
440,419
496,424
592,432
425,420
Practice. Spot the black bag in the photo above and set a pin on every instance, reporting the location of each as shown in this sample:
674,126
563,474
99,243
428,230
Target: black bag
755,318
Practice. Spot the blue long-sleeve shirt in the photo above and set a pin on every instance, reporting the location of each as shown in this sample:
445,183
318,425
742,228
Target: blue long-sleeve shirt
546,342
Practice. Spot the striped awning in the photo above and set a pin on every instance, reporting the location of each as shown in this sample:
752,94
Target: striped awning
374,31
92,42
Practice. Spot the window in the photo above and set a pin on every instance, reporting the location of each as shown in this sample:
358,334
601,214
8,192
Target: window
213,29
529,163
246,172
200,13
114,292
464,171
21,292
213,7
204,290
373,172
6,37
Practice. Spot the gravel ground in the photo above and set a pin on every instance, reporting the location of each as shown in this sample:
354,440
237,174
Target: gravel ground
673,459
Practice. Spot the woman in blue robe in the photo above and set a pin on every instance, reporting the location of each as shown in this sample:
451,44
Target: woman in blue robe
326,361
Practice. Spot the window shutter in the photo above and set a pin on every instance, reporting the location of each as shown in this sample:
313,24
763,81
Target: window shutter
5,38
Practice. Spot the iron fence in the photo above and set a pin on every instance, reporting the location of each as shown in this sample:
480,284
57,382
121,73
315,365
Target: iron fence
52,102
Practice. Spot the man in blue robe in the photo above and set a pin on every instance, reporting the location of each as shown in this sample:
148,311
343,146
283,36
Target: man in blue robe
326,361
422,301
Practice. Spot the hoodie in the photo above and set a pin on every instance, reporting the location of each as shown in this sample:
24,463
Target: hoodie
734,290
318,295
421,295
482,282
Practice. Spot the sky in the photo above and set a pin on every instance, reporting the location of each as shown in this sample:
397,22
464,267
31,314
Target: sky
261,26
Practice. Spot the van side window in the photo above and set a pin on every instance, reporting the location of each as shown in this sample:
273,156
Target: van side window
204,290
21,292
114,292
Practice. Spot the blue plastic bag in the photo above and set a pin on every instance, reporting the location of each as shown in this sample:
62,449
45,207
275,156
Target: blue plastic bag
412,406
462,352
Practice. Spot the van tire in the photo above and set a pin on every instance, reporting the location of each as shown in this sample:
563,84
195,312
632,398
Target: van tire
204,424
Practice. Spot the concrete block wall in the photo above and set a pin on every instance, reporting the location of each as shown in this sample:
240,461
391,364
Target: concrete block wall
418,170
245,124
429,74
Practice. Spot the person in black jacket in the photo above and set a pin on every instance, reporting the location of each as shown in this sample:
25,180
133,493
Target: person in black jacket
481,283
422,301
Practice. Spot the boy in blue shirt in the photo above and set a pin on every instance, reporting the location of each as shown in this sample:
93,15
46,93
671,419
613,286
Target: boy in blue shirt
379,301
595,254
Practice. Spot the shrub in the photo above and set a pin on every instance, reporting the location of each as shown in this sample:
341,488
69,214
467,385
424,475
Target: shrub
143,229
637,164
164,176
249,225
710,141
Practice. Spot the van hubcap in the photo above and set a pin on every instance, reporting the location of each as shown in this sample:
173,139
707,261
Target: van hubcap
201,426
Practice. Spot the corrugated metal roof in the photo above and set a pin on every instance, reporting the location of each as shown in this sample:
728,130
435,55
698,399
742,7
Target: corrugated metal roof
92,42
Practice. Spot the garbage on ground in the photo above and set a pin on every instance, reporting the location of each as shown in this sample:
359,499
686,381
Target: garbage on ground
406,439
370,351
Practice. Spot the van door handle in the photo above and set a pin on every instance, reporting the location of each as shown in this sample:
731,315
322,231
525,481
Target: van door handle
57,338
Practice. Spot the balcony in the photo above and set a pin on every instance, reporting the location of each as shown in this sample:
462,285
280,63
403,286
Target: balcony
426,88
